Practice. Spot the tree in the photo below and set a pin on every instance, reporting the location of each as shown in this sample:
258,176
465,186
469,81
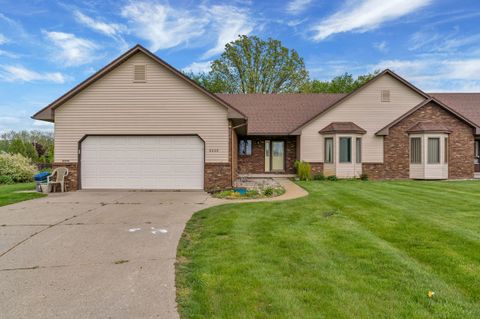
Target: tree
32,144
252,65
344,83
211,82
16,147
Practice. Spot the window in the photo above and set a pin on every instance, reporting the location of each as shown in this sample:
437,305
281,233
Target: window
446,150
416,150
433,150
358,149
345,149
385,96
328,150
245,147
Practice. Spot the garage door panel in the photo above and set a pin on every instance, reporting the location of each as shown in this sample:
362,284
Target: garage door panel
142,162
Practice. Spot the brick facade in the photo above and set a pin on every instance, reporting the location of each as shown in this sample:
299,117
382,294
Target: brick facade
316,168
396,145
374,170
72,176
255,163
217,176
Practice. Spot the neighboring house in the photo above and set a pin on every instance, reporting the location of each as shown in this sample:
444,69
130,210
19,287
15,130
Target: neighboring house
138,123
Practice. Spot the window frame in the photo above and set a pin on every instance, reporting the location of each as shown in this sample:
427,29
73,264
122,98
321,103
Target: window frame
438,154
332,153
358,150
418,152
349,139
446,150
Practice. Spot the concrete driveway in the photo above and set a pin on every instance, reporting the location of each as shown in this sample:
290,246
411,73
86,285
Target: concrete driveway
93,254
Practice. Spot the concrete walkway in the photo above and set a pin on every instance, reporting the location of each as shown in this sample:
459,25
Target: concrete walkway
97,254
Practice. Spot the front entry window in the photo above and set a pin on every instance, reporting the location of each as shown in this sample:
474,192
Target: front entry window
345,149
267,156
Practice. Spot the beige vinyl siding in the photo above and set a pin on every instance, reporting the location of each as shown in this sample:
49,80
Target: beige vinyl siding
367,111
163,104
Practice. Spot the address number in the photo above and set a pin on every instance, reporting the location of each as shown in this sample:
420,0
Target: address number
213,150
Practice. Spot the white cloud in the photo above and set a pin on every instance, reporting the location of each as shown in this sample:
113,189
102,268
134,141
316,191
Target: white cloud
438,75
8,54
448,42
110,29
297,6
163,26
365,15
229,22
199,67
381,46
9,73
3,39
70,50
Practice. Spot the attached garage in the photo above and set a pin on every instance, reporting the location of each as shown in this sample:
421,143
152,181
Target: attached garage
142,162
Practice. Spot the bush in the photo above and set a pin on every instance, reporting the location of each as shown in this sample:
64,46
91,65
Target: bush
16,168
332,178
268,191
319,177
304,171
4,179
364,177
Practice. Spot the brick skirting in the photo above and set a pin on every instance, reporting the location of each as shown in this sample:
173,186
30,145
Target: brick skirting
316,168
217,176
374,170
72,176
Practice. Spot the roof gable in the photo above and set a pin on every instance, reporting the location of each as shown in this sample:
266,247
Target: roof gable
385,130
298,129
46,113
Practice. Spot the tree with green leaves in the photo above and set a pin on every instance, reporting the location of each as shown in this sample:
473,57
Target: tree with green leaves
16,147
252,65
344,83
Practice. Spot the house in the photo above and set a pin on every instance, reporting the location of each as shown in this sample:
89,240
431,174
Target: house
139,123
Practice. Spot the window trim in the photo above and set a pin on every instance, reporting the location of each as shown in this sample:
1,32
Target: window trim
439,155
446,150
419,152
358,150
325,150
349,138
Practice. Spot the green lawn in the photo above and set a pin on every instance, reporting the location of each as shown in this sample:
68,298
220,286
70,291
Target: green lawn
9,196
351,249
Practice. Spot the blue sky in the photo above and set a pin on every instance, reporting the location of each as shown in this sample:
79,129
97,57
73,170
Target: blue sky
47,47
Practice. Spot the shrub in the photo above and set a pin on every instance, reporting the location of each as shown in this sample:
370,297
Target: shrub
319,177
304,171
4,179
16,168
268,191
332,178
364,177
252,193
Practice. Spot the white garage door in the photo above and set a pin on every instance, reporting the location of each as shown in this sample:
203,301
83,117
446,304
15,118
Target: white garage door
142,162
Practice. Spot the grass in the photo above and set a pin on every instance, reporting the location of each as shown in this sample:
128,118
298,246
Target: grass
9,196
351,249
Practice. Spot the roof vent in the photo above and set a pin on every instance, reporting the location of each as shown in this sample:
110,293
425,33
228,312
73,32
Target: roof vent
139,73
385,96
